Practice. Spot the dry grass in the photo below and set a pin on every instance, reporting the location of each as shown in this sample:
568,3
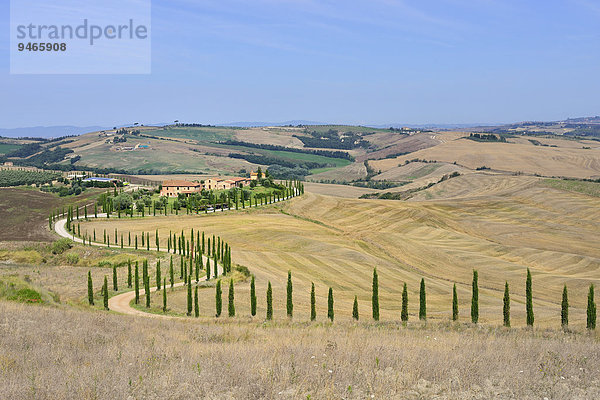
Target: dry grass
337,190
50,353
563,160
337,242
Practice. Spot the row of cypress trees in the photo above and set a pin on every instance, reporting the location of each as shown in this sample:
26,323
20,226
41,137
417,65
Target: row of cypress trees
293,188
222,251
591,306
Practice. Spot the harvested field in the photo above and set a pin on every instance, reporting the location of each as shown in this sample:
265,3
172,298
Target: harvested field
336,242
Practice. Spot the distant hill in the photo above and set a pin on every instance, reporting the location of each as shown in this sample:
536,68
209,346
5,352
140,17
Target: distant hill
248,124
48,131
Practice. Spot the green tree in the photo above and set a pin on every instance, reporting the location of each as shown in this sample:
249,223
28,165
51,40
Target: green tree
330,305
564,309
147,291
105,292
269,302
475,299
422,301
137,284
129,278
355,309
404,312
591,309
90,289
165,295
196,307
313,305
218,299
375,296
231,304
454,304
506,308
290,304
207,268
252,297
189,300
115,285
171,272
529,299
158,275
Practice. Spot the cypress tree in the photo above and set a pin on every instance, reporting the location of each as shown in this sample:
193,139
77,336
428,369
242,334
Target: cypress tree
564,309
90,289
207,268
181,267
147,290
313,305
422,301
269,302
165,295
129,273
218,299
158,275
105,290
115,285
330,304
189,300
355,309
252,297
529,299
216,267
404,312
157,242
290,304
185,274
591,309
375,296
454,304
475,299
129,239
196,307
506,307
231,305
137,284
171,272
136,242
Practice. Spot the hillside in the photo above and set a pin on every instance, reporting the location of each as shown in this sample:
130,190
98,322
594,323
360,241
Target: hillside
558,157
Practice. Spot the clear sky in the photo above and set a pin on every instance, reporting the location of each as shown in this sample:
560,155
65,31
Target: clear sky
368,62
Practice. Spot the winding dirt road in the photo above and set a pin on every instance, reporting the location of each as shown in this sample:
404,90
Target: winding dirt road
121,302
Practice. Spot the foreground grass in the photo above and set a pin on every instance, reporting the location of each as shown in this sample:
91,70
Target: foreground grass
64,353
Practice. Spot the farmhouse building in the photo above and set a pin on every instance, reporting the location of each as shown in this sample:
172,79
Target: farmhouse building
174,187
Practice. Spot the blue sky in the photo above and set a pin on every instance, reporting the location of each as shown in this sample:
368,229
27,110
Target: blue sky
359,62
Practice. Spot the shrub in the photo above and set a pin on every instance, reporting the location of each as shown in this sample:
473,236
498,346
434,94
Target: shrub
72,258
61,245
26,295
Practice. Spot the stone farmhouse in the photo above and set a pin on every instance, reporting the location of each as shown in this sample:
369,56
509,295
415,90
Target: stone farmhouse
172,188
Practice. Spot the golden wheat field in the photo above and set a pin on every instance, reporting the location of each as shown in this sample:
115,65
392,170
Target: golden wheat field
336,242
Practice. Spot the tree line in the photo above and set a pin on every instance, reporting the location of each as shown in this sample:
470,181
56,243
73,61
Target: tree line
192,305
